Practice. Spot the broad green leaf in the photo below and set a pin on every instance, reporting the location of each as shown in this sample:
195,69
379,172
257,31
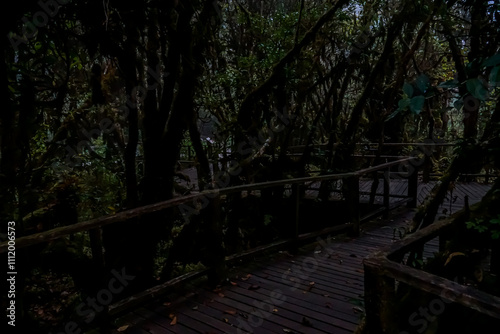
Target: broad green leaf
408,89
495,77
422,82
492,61
477,89
416,104
403,104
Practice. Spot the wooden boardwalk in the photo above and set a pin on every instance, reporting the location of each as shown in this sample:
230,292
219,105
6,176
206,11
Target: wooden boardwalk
318,290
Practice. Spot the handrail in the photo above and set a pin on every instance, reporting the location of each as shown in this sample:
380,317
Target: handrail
59,232
383,268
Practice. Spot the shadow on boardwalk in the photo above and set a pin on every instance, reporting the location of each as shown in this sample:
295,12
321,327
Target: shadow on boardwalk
318,290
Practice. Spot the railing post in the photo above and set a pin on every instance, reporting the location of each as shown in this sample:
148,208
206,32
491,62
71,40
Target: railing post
95,236
352,197
387,188
412,186
216,256
296,188
380,296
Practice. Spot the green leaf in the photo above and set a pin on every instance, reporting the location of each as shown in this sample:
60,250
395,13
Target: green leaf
495,77
495,221
403,104
408,89
449,84
481,228
422,82
416,104
477,89
492,61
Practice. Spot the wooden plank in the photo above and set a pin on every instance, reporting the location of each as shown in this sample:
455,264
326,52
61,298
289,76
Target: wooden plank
303,285
196,319
338,265
321,280
160,324
242,312
340,268
321,321
321,304
291,318
259,314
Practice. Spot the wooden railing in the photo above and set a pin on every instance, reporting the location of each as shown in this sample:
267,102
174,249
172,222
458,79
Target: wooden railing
385,272
426,148
98,223
351,183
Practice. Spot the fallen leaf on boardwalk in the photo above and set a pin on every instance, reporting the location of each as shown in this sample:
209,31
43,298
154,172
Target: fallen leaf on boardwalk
328,305
221,295
230,312
357,309
174,319
311,284
246,277
360,270
166,304
327,295
243,315
253,287
122,328
275,310
195,308
226,320
233,283
286,330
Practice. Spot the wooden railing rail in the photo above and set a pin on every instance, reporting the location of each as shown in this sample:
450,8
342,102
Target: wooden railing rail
60,232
